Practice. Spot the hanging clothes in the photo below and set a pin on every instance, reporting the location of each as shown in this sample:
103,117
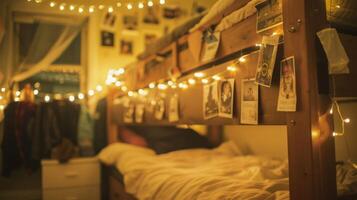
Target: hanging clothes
18,132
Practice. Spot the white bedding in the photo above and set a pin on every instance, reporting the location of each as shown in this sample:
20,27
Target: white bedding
221,173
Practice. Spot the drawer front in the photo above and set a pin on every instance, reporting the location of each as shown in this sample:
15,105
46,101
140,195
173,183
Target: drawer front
82,193
70,175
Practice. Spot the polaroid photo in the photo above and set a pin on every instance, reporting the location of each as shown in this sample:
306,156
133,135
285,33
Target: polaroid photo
266,60
139,113
210,100
174,109
151,15
287,90
109,21
210,46
249,102
126,47
107,39
226,98
129,113
159,109
269,14
130,22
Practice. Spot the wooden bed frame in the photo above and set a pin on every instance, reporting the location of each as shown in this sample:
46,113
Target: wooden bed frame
311,147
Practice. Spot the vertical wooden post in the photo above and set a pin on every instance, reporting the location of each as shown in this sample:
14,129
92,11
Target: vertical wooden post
311,145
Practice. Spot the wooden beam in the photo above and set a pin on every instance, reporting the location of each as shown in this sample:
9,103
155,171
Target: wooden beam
310,143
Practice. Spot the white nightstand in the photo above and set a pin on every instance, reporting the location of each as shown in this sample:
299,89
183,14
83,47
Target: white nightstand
79,179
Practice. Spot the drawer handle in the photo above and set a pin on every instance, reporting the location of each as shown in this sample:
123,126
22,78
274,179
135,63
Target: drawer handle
71,198
71,174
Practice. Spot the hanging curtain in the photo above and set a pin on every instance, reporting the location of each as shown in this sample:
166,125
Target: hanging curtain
52,37
49,42
6,50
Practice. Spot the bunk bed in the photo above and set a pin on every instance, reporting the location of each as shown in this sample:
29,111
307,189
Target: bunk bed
311,151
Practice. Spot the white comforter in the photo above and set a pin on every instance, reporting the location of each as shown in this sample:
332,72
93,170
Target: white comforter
221,173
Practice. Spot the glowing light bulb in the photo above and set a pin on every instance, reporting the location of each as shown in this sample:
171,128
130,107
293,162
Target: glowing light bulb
17,93
110,9
150,3
90,92
119,4
17,99
47,98
183,85
72,7
81,96
162,2
258,45
80,9
191,81
101,7
121,71
3,89
331,111
91,9
143,92
231,68
124,88
204,81
52,4
35,92
274,33
216,78
2,107
62,7
338,6
130,93
152,85
71,98
99,88
38,1
170,83
118,83
140,5
347,120
199,74
162,86
129,6
334,134
242,59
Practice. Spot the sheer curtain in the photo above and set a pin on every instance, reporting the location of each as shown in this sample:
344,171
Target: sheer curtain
53,35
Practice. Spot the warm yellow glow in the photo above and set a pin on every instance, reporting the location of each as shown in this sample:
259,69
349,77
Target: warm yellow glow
110,9
258,45
191,81
118,83
118,4
91,9
62,6
315,134
101,7
2,107
121,71
38,1
205,81
17,93
231,68
47,98
162,86
130,93
347,120
80,9
140,5
331,111
124,88
143,92
3,89
129,6
152,85
183,85
199,74
338,6
216,78
170,83
90,92
99,88
35,92
274,33
336,134
162,2
1,97
150,3
242,59
80,96
71,98
17,99
52,4
174,86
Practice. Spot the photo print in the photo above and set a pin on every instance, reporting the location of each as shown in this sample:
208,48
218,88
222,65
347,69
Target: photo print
174,108
266,60
150,39
210,100
249,102
109,21
210,46
171,12
159,109
130,22
151,15
126,47
107,39
226,97
139,113
287,89
269,14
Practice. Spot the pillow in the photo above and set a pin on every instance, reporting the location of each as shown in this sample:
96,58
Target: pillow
163,139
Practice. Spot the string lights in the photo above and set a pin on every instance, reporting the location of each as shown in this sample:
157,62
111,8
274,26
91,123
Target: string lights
90,7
